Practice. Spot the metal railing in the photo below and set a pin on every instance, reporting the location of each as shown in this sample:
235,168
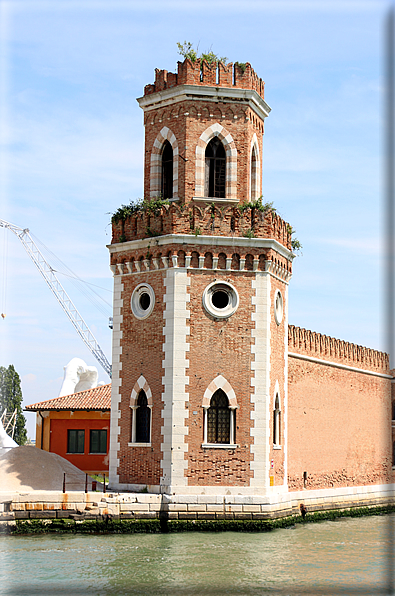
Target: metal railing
76,484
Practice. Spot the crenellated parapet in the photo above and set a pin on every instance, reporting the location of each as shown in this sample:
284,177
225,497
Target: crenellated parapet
306,342
200,72
200,219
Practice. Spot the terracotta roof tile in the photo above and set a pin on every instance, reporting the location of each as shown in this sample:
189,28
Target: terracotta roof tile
98,398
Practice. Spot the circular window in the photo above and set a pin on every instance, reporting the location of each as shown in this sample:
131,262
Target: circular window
278,307
142,301
220,300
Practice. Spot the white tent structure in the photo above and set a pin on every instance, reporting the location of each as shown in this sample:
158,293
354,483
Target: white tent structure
6,443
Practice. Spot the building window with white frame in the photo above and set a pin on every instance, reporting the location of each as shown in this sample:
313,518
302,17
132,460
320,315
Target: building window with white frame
253,175
215,169
167,171
141,420
219,421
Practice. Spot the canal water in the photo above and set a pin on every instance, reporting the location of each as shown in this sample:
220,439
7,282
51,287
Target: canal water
346,556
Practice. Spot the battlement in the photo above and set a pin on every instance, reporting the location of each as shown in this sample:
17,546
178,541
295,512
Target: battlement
208,220
310,343
200,72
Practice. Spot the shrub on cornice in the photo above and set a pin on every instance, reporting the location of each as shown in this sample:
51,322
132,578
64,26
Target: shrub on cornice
140,206
187,51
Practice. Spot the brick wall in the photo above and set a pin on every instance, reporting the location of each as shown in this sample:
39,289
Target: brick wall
187,120
339,427
141,465
220,347
202,73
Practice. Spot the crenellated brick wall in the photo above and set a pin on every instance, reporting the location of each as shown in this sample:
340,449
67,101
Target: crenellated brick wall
208,220
202,73
310,343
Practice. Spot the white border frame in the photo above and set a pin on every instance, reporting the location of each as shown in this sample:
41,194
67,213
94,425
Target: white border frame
137,311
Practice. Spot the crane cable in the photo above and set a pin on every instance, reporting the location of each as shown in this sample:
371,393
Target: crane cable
78,283
4,284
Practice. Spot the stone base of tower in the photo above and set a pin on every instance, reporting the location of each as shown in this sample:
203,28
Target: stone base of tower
275,504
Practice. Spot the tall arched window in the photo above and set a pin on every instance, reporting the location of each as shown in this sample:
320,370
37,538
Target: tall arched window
142,414
218,418
253,175
167,171
215,169
277,422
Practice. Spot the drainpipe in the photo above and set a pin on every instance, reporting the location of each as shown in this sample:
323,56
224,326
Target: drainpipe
42,428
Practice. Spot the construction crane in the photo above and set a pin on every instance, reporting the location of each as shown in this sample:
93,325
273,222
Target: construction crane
59,292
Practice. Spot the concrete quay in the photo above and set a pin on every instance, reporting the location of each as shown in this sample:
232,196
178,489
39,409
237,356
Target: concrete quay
78,505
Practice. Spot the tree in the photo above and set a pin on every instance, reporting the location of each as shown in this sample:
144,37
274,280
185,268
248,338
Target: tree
11,399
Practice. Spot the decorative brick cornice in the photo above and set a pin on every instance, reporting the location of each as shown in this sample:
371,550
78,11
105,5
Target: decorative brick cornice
205,253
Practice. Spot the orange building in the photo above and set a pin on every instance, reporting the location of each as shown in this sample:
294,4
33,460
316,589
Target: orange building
76,427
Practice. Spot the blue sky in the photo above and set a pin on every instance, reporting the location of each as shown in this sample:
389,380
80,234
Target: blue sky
72,152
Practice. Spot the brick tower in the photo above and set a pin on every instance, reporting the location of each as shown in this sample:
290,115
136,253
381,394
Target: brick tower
199,388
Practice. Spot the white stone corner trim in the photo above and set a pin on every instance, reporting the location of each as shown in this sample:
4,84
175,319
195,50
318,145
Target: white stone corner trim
260,398
116,381
175,380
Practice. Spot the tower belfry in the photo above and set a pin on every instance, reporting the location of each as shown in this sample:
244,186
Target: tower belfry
199,386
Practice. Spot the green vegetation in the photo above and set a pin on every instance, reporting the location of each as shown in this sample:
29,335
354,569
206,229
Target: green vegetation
249,234
139,206
155,526
257,204
187,51
11,400
295,244
242,65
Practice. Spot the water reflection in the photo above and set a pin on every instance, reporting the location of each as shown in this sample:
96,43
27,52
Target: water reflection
349,556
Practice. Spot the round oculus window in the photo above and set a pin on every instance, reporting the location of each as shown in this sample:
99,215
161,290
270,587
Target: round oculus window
278,307
220,300
142,301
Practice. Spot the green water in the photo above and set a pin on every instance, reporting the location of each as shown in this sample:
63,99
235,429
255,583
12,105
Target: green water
347,556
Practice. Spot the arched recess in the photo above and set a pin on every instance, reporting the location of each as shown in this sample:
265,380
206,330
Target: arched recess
254,169
216,130
276,418
141,399
156,163
218,386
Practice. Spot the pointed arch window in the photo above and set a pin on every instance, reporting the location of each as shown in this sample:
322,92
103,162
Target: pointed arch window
277,423
141,420
215,169
167,171
219,421
253,175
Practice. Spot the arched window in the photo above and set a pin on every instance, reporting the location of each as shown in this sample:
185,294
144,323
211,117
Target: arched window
215,169
277,422
253,175
142,417
218,418
167,171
